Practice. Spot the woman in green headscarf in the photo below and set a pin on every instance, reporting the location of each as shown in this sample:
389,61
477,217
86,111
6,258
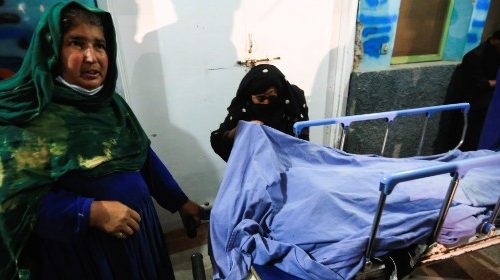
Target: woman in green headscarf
76,169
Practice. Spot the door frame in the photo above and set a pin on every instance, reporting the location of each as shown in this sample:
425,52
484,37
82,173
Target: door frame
340,65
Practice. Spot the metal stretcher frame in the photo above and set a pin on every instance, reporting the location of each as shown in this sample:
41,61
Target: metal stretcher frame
389,116
458,170
388,183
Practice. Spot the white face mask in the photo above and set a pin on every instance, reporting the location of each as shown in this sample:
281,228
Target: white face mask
78,88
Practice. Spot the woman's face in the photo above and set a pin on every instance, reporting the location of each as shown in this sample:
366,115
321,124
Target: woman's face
83,56
266,97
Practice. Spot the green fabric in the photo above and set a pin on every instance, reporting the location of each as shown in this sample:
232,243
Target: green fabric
47,130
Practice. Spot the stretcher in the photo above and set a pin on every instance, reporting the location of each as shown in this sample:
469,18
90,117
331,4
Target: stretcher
374,263
389,117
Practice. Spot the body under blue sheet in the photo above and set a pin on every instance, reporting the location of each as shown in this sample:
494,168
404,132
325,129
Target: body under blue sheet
308,209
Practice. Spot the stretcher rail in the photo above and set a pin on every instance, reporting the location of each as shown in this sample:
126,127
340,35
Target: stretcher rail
389,116
458,170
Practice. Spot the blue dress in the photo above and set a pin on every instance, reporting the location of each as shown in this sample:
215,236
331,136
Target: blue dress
490,135
67,248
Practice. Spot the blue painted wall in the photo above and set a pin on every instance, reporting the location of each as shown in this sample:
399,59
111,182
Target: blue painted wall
476,25
458,29
17,23
375,86
377,20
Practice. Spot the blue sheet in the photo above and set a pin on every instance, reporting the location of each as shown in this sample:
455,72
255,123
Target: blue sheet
308,209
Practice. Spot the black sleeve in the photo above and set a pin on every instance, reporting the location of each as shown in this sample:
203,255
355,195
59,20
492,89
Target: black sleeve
304,111
475,69
304,134
221,144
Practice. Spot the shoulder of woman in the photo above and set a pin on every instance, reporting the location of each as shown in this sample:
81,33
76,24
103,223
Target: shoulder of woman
298,92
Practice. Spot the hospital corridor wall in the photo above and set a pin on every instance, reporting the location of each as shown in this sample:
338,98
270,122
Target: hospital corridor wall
180,64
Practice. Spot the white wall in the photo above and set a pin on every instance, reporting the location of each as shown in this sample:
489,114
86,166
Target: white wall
178,69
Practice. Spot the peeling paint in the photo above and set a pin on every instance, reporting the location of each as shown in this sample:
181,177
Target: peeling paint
358,47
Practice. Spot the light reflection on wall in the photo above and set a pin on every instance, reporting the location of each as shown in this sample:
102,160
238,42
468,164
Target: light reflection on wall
18,20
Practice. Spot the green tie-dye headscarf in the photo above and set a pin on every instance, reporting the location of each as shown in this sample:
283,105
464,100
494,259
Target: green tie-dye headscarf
47,130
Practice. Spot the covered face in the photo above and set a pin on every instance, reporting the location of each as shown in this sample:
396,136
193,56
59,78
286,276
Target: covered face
261,80
264,94
84,60
265,98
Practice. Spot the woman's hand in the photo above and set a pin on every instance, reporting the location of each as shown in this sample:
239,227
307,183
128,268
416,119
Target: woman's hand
192,210
232,133
257,122
114,217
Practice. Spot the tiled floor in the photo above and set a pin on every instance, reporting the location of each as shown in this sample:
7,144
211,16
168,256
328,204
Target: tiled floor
182,263
481,265
181,249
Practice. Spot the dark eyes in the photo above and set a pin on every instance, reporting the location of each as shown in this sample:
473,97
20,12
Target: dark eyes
76,43
261,98
100,46
81,44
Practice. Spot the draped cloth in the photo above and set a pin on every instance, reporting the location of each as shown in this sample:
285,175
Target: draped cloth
47,130
308,209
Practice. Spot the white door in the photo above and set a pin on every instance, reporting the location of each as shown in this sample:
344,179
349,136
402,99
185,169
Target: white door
179,70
